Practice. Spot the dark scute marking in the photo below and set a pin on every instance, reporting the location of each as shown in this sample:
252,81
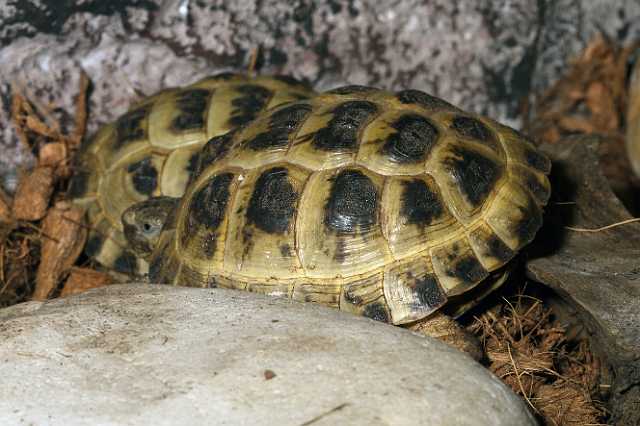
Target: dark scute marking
498,249
252,100
423,99
353,88
352,203
475,174
126,263
94,244
352,298
341,132
273,201
471,128
285,250
209,244
529,224
208,205
292,81
537,189
215,149
377,312
429,292
420,205
129,126
192,166
144,176
468,269
281,124
79,184
192,104
537,160
413,139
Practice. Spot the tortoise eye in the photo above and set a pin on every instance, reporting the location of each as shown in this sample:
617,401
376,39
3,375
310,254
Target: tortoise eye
147,227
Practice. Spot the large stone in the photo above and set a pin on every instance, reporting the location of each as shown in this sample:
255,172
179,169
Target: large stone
142,354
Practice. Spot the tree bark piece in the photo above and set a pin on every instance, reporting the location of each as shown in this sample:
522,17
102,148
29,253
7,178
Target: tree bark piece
63,239
597,273
83,279
33,194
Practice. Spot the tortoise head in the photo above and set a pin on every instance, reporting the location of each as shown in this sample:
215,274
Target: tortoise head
144,221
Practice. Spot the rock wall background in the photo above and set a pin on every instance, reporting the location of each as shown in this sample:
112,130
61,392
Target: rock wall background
486,56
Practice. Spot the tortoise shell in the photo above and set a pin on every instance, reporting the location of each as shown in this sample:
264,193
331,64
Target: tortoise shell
380,204
151,151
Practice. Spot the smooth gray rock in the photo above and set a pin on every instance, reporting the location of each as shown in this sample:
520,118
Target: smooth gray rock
159,355
485,56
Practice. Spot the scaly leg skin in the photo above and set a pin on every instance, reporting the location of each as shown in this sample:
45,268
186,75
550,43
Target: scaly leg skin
449,331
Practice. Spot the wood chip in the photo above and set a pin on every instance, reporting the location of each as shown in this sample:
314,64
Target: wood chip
5,207
55,155
63,239
33,194
83,279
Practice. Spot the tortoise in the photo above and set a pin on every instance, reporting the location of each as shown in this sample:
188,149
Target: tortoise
387,205
151,151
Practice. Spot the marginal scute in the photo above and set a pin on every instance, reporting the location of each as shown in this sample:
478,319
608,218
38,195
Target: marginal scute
412,290
365,296
269,288
522,151
319,292
514,215
424,100
536,182
457,266
491,251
